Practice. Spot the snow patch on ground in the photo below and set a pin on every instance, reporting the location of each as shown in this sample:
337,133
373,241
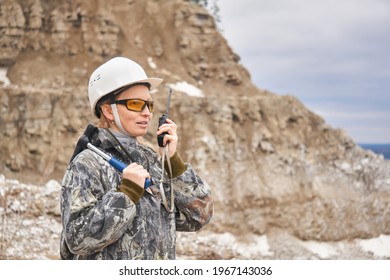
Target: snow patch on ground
259,244
187,88
379,246
321,249
3,77
151,63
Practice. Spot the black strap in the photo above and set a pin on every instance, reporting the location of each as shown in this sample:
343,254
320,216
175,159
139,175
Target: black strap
81,143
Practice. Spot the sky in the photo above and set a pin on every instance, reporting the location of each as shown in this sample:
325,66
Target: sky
333,55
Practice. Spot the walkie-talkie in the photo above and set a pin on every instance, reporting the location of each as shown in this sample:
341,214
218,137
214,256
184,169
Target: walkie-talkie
162,120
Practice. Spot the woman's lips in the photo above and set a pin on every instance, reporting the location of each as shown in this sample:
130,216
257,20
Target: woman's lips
143,124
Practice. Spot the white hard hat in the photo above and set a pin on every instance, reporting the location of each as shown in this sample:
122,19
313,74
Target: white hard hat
116,73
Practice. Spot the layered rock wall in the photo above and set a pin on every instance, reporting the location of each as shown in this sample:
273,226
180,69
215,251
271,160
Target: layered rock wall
270,161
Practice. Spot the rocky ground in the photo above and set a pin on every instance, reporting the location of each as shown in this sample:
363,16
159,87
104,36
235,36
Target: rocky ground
31,227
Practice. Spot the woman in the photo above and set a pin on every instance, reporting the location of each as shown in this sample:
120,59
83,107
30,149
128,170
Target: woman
108,214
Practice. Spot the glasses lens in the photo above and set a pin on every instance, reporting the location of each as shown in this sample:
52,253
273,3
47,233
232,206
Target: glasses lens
135,105
138,105
150,106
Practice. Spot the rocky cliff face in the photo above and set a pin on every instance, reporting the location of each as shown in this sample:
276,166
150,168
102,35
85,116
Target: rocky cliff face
273,165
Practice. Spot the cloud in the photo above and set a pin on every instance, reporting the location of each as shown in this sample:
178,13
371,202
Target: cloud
361,122
298,24
322,51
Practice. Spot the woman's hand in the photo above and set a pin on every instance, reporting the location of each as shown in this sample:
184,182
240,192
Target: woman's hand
136,173
170,127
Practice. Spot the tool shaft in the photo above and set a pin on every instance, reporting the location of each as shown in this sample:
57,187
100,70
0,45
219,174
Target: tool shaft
114,162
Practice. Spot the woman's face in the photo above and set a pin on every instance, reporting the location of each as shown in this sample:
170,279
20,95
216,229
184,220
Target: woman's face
135,123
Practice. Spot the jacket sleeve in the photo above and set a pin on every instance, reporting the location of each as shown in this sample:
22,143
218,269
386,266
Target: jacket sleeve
94,213
193,201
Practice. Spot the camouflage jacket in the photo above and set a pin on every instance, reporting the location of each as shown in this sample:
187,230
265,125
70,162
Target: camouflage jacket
99,222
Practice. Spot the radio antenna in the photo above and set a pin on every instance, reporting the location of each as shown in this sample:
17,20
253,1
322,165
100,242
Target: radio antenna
169,101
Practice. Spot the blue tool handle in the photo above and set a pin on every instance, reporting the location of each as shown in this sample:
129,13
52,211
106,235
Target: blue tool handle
147,183
120,166
117,164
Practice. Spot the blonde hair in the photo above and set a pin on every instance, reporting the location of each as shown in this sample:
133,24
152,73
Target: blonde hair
103,122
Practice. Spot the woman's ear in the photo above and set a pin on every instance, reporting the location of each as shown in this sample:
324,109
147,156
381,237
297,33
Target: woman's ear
107,112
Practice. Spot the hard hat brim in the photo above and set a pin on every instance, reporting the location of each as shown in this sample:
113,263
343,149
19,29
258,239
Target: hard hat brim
154,82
